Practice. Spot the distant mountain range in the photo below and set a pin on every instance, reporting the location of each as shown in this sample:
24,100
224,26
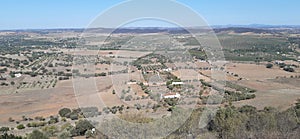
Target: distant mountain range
255,28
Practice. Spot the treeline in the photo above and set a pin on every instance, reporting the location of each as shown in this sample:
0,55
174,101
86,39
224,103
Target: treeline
240,93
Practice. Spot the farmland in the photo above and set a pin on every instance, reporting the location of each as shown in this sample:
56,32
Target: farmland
150,75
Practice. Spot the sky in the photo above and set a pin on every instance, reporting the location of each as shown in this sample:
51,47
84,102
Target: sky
45,14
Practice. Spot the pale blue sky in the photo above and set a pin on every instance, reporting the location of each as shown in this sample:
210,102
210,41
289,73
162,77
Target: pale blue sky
38,14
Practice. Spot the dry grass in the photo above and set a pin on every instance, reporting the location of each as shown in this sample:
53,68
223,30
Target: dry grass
136,118
33,103
256,72
281,99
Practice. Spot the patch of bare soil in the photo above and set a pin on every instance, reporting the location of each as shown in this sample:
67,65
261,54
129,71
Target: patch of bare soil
31,103
281,99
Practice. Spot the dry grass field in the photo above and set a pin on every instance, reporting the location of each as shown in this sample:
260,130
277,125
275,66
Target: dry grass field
39,102
279,93
257,72
279,98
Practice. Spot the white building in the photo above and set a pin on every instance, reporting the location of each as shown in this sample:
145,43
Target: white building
171,95
177,83
167,69
18,75
131,83
279,62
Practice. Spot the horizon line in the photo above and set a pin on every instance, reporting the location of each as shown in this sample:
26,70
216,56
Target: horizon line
162,27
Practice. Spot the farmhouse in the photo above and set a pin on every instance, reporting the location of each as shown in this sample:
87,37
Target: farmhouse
279,62
146,83
18,75
171,95
177,83
167,69
131,82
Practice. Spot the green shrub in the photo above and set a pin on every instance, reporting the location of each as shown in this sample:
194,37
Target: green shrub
36,124
10,136
64,112
36,134
88,134
74,116
53,120
289,69
50,130
4,129
269,65
64,135
81,127
20,126
128,98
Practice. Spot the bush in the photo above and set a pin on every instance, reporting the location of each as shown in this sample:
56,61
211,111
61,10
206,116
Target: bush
138,106
36,124
9,136
247,109
4,129
64,112
74,116
128,98
40,118
66,126
100,74
36,134
81,127
64,135
20,126
288,69
106,110
50,130
114,109
11,119
88,134
237,96
269,65
53,120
